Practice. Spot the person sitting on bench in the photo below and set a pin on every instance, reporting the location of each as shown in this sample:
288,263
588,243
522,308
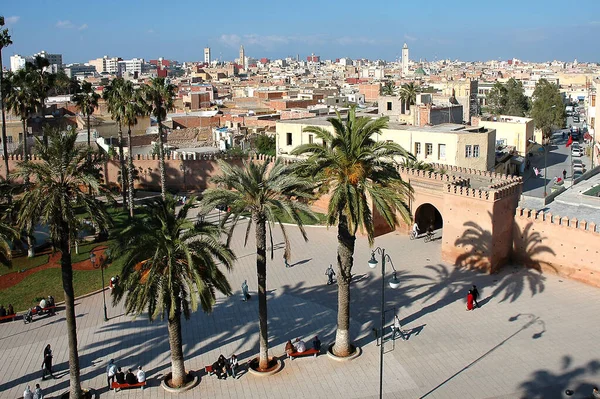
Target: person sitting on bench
2,311
10,311
141,375
316,344
120,376
289,348
300,345
130,378
43,303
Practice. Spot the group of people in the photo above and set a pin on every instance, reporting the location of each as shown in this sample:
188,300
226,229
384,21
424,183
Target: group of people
472,297
9,311
224,367
36,394
114,373
299,346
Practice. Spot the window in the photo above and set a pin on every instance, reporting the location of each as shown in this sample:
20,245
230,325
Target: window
441,151
389,105
468,153
475,151
428,149
310,139
20,137
593,101
9,139
417,148
289,138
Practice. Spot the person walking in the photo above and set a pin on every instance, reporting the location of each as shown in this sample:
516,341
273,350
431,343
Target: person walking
47,363
38,394
245,294
564,174
28,394
475,293
111,371
470,300
285,261
330,274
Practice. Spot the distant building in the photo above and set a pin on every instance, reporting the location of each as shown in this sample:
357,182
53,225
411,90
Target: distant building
55,60
242,60
405,60
17,62
106,64
313,58
83,70
512,132
207,55
133,66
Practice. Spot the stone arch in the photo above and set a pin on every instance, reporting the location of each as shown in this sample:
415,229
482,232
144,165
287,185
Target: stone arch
426,215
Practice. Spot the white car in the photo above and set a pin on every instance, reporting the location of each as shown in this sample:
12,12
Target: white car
578,165
577,152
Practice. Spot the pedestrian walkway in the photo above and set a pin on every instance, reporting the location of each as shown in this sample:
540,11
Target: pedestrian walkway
534,335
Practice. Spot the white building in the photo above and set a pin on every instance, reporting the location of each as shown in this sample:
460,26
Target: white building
55,60
131,66
207,55
405,60
106,64
17,62
80,70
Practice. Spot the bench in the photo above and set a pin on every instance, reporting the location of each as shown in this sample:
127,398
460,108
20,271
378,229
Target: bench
209,370
116,386
307,352
46,310
10,317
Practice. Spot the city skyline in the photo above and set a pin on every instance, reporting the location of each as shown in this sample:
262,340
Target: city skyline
470,32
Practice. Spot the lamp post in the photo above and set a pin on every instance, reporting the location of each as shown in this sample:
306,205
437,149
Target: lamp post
101,265
183,168
394,283
545,165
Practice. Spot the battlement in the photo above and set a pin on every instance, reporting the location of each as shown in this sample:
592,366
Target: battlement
556,220
176,157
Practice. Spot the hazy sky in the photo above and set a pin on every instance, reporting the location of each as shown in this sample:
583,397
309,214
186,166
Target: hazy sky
532,30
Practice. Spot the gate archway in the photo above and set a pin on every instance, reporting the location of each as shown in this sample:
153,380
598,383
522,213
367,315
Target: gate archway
428,215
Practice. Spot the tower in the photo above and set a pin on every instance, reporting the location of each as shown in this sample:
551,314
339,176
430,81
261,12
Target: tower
207,55
405,60
242,58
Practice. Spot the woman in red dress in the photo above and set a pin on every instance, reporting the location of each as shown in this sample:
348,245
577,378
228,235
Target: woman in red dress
470,300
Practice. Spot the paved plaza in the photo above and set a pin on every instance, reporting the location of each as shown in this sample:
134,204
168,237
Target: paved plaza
533,337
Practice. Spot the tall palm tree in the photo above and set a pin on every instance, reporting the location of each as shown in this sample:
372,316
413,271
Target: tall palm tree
408,93
159,96
87,102
21,99
7,235
388,89
355,170
168,268
41,82
134,107
5,41
116,107
54,198
268,196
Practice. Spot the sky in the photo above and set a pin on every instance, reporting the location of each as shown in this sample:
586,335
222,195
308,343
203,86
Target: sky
530,30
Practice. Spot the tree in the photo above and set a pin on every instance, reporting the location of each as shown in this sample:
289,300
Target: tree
55,198
65,85
265,144
548,109
134,107
7,235
417,165
21,99
5,41
517,103
408,94
41,82
268,196
159,99
354,169
168,268
116,107
389,88
497,99
87,102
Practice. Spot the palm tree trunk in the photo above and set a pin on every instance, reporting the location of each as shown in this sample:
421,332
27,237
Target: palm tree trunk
4,144
67,280
161,161
122,163
130,175
261,272
345,253
176,346
25,149
30,245
89,132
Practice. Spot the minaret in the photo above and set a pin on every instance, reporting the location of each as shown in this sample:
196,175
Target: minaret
207,55
242,58
405,60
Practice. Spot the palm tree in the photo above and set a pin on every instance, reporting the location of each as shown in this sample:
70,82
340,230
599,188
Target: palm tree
134,107
268,196
21,99
159,97
354,169
408,93
116,107
41,83
417,165
87,102
54,198
168,268
7,235
388,89
5,41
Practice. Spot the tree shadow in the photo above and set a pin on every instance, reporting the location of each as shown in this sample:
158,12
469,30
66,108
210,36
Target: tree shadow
527,245
548,384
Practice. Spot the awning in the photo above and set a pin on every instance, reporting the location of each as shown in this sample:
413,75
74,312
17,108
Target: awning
581,97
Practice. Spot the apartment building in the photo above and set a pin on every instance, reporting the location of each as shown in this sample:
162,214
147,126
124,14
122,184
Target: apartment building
55,60
511,131
106,64
450,144
83,70
132,66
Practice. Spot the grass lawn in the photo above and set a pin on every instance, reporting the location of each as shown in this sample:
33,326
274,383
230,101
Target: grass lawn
24,263
22,296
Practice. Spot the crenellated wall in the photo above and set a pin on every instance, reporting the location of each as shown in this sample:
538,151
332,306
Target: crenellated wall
551,243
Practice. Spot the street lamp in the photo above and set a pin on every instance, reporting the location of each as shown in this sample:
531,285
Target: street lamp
101,265
183,168
545,165
394,283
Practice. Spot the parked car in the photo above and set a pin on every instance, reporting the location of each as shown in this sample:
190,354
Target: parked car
578,165
577,174
577,151
576,119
